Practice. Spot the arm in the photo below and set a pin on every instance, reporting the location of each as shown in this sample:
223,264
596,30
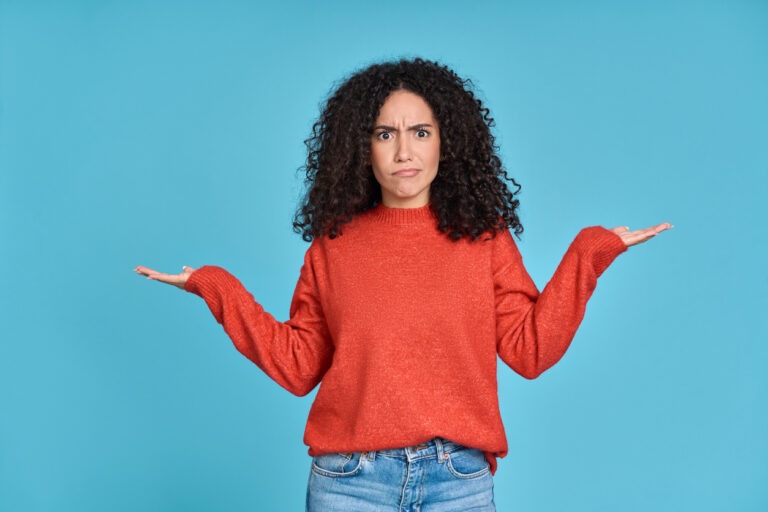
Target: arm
535,329
295,353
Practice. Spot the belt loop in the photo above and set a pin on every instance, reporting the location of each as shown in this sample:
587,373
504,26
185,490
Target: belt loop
441,455
370,455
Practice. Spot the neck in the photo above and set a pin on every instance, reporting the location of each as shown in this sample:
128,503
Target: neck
417,215
417,201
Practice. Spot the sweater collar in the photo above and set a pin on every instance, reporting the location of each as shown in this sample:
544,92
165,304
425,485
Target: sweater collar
386,215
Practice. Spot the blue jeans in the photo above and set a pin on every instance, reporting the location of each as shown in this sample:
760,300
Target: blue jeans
437,476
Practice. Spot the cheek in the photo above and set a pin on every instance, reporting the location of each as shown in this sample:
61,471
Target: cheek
375,159
433,150
434,156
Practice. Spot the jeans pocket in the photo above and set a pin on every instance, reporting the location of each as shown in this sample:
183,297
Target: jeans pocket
338,465
467,463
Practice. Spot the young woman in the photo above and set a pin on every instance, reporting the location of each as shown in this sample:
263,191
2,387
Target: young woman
411,287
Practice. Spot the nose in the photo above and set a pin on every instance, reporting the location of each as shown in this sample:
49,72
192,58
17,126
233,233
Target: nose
403,152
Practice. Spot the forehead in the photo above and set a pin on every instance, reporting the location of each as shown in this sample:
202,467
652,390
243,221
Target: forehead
404,105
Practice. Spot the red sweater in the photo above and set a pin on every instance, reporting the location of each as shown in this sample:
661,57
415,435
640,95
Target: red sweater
401,327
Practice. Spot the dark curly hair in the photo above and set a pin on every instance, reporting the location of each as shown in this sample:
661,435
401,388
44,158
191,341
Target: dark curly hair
469,195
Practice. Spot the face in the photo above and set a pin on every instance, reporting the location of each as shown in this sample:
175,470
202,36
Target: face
405,150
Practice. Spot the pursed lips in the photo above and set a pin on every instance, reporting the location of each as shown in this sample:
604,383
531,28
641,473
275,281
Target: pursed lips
406,172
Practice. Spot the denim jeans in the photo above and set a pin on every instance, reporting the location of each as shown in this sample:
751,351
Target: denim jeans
437,476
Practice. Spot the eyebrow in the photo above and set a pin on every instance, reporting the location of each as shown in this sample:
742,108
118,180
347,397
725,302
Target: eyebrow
410,128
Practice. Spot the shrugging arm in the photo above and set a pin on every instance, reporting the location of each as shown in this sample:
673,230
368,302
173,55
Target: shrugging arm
533,330
295,353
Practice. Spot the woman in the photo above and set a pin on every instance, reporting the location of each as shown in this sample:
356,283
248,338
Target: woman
410,288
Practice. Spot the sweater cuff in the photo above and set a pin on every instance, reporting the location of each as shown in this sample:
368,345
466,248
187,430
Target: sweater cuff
600,246
208,278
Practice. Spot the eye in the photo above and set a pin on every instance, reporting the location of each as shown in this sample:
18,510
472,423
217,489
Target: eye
384,136
422,133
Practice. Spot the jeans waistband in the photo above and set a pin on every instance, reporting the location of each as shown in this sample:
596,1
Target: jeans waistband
437,447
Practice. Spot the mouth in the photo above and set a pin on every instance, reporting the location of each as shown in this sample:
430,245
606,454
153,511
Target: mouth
406,172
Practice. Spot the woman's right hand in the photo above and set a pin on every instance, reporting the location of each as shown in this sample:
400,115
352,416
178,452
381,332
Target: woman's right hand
177,280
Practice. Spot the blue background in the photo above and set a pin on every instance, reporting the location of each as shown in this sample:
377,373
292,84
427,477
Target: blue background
169,133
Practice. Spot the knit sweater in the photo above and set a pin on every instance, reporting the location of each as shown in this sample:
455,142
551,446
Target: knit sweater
401,327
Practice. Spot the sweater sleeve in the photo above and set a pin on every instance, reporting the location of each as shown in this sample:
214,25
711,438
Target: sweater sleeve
295,353
533,330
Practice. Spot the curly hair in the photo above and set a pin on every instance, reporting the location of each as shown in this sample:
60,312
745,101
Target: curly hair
469,195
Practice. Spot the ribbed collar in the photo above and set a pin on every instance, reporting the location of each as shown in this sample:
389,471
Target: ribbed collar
386,215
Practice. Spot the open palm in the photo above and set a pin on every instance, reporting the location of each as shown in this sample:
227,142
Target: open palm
178,280
641,235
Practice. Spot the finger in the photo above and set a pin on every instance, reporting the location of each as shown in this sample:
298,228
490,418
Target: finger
654,230
164,278
159,276
151,274
643,235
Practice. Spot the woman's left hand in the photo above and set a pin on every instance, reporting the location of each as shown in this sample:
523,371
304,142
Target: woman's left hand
641,235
